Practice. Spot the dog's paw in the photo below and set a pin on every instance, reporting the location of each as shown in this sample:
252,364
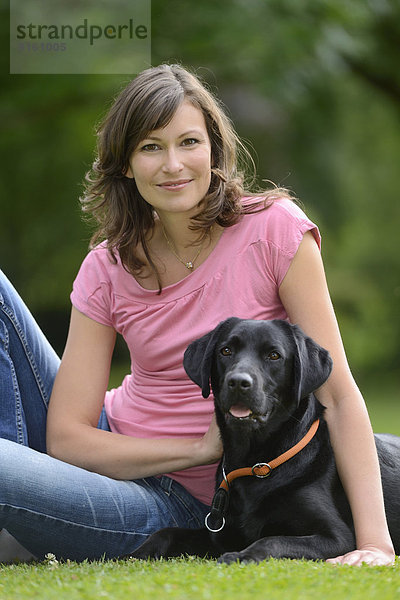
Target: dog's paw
228,558
231,557
245,556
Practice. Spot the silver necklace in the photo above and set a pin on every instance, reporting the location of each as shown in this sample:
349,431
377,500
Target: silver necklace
189,264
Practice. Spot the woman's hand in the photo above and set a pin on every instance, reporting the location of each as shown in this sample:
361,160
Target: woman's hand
210,445
369,555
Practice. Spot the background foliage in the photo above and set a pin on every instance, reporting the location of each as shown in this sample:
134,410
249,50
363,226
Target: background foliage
314,86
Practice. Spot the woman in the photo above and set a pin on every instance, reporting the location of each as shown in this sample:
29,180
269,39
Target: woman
185,248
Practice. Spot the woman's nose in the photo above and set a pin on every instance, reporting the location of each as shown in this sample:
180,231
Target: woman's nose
172,162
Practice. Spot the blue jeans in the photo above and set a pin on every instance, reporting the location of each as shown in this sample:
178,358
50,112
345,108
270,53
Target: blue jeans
52,506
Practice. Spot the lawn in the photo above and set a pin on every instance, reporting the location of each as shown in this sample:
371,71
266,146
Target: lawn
193,579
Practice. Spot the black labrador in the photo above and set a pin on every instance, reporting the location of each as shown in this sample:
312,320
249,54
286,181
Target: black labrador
263,374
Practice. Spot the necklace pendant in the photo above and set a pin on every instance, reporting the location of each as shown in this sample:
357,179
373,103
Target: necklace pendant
189,265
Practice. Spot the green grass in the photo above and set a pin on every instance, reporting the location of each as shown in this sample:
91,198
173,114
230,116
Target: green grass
193,579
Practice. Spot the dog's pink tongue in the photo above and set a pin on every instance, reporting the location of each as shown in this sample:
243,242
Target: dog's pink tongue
240,411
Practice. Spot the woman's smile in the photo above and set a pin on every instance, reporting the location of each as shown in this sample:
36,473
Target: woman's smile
174,186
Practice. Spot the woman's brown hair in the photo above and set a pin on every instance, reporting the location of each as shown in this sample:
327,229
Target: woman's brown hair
124,219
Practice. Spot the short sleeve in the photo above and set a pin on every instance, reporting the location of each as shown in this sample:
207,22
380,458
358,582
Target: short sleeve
286,226
91,292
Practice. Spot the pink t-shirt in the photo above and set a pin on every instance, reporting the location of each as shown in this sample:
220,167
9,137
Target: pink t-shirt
241,278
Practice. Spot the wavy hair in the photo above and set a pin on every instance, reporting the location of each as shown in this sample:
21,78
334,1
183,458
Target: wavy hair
124,219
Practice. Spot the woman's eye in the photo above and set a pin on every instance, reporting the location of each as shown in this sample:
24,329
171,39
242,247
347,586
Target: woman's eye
190,142
226,351
149,148
274,355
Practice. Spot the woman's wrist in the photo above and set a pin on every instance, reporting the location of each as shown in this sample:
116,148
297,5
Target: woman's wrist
385,546
208,449
203,454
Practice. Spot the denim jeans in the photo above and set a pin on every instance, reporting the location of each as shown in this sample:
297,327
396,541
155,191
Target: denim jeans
52,506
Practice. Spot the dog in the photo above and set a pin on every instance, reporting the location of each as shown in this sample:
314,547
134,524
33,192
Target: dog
278,493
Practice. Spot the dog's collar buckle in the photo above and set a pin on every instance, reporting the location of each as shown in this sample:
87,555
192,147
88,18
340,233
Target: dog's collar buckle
259,470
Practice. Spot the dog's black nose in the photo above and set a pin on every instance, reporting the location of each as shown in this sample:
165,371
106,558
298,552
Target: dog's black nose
240,381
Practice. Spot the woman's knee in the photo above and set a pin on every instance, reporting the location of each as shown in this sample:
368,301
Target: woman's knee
28,366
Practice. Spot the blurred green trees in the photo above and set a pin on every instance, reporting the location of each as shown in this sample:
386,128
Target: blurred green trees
314,86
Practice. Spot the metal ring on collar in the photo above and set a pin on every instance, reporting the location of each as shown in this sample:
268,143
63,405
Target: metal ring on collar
209,528
258,466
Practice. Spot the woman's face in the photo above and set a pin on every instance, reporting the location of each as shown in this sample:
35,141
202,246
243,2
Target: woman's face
172,166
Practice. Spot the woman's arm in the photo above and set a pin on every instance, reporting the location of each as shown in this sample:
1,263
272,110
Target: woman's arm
305,296
75,407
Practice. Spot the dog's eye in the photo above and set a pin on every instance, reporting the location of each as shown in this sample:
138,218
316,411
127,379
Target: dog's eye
274,355
226,351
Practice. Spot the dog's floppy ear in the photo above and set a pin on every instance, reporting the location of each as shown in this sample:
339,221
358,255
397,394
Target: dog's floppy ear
312,364
198,356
